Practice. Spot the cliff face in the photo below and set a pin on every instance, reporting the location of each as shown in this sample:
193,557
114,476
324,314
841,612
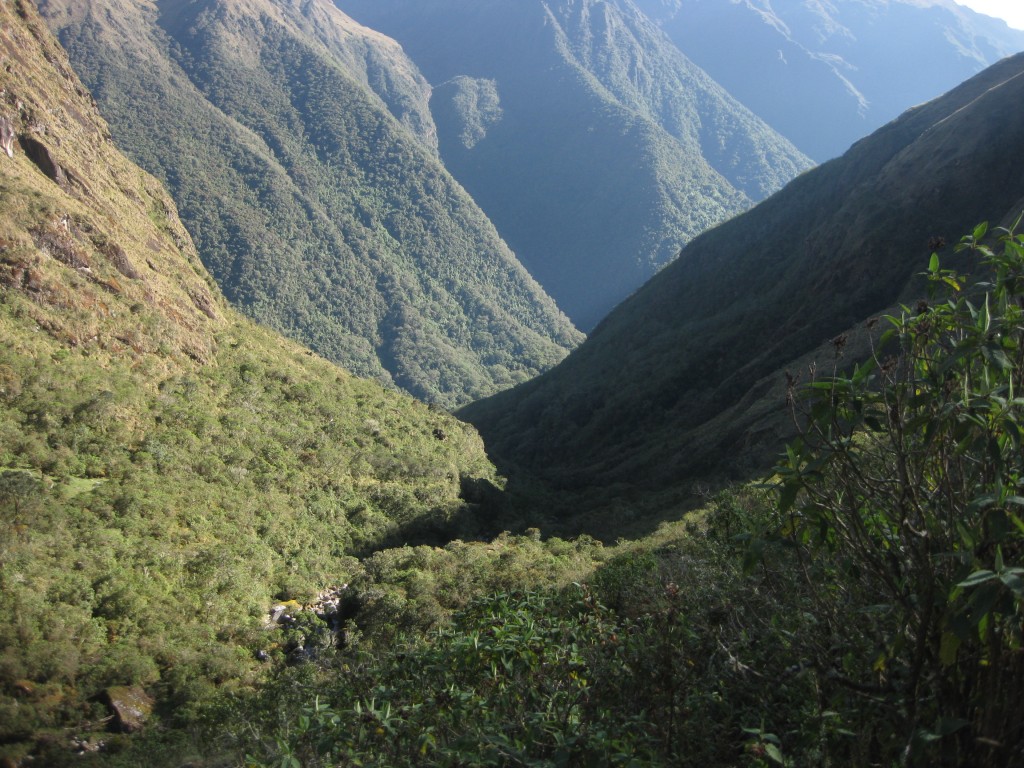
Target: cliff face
89,240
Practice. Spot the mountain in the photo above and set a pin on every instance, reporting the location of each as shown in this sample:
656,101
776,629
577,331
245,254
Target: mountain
591,142
302,155
686,381
168,470
826,74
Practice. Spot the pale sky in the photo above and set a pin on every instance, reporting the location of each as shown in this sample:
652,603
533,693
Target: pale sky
1011,11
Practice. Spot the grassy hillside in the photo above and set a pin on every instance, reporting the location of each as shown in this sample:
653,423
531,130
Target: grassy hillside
595,147
301,154
686,381
168,470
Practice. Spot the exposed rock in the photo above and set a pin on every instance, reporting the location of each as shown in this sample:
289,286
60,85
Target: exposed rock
120,260
56,241
39,154
327,606
328,602
130,705
278,615
284,613
204,303
7,136
82,746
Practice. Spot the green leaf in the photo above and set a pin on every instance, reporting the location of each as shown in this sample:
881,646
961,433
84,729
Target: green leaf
933,265
1012,579
788,496
948,648
774,753
948,725
976,578
984,316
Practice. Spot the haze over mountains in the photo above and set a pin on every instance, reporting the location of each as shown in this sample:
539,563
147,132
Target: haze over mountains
687,379
594,145
825,74
301,154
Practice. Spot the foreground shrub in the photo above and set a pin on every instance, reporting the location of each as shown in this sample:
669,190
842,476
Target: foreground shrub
906,492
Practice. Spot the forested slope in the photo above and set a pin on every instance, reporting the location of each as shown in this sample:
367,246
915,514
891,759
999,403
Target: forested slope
169,471
301,153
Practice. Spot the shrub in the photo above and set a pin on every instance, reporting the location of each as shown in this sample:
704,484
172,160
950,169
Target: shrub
904,493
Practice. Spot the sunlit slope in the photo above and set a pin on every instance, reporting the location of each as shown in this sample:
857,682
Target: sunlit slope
168,470
301,154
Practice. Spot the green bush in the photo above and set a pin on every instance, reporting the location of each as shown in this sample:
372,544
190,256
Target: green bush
905,493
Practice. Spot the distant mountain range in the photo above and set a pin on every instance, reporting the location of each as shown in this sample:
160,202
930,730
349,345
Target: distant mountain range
686,381
826,74
302,155
591,142
314,161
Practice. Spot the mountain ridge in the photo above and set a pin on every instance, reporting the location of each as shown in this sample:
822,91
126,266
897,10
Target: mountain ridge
605,149
826,75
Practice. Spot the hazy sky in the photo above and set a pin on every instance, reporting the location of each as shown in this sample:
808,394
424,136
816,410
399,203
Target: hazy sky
1012,11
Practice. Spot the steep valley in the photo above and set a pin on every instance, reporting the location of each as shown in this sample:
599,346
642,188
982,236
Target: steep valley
219,548
594,145
686,380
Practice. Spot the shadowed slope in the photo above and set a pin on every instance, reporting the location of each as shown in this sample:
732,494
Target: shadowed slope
685,380
591,142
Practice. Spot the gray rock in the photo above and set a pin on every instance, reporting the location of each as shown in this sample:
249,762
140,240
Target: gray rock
130,705
7,136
